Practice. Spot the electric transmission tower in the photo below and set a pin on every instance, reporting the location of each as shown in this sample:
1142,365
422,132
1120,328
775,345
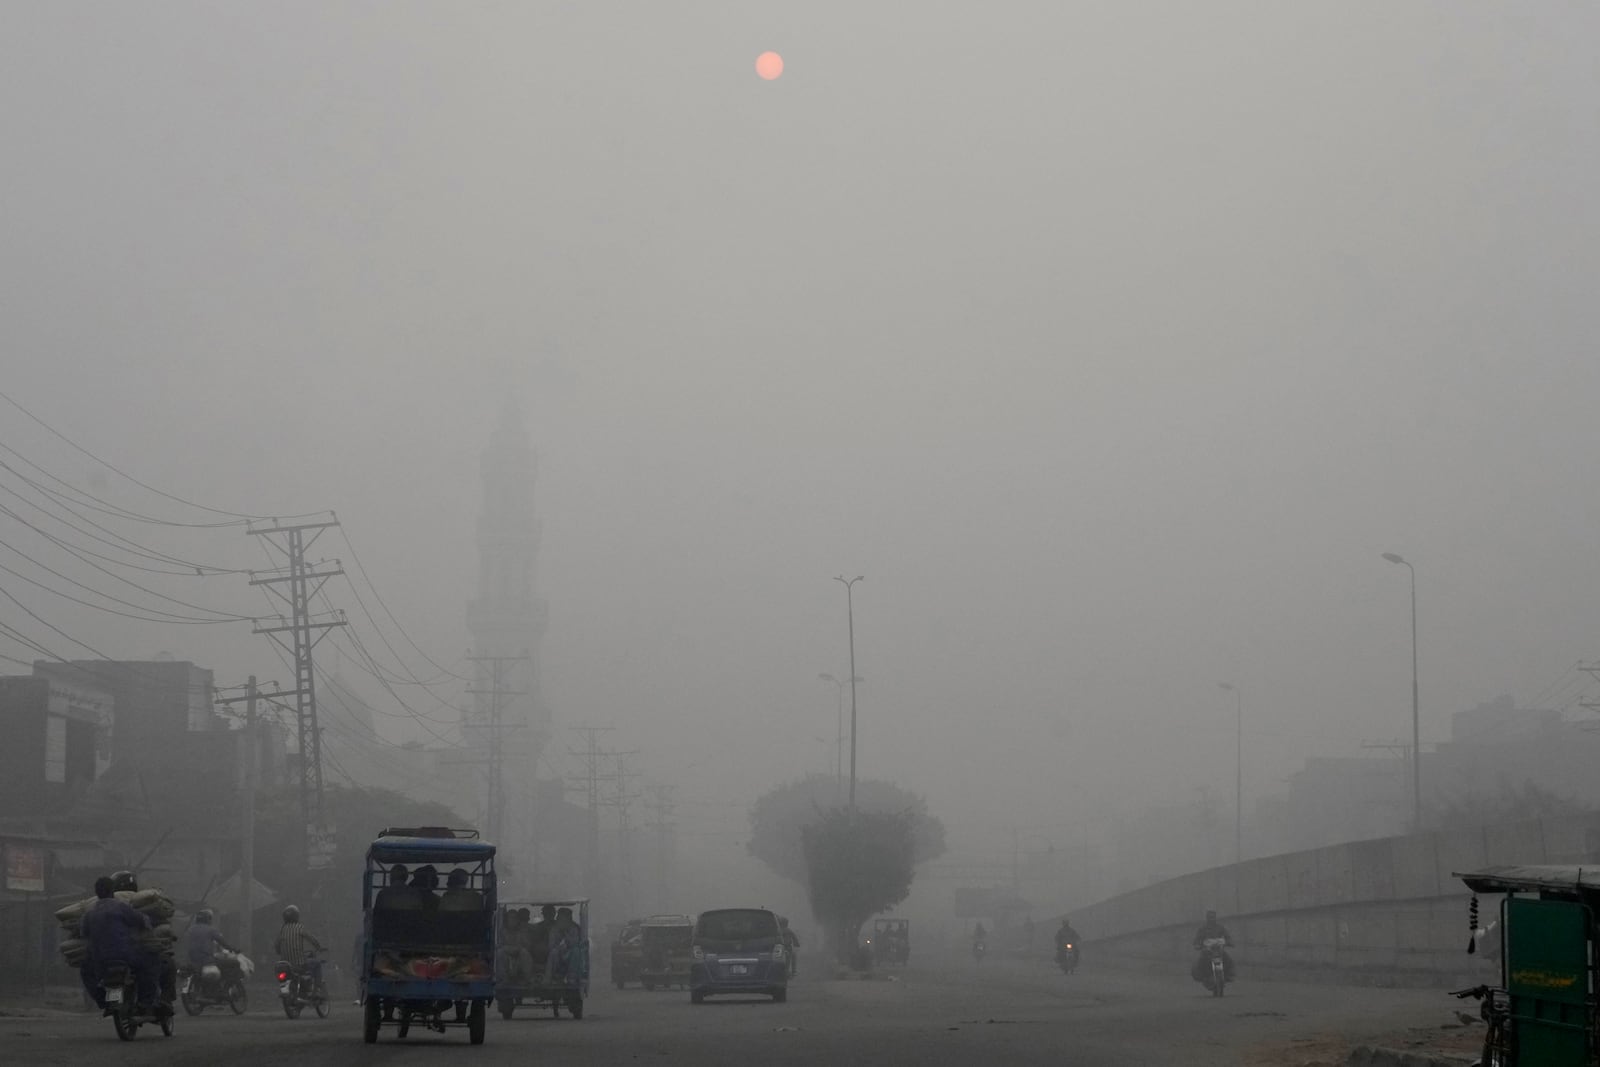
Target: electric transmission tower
298,634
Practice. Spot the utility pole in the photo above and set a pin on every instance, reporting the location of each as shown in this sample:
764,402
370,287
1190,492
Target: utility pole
247,829
1238,769
591,755
495,814
850,608
622,799
662,824
247,811
303,582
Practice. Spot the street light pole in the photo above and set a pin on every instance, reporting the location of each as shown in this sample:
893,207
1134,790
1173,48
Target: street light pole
850,609
1238,769
1416,702
838,752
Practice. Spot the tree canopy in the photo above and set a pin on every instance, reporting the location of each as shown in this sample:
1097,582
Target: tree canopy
854,862
780,816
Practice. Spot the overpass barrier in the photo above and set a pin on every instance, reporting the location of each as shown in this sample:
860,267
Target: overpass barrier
1386,908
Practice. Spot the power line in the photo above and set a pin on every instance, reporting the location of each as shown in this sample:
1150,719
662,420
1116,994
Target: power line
106,507
361,568
172,617
118,470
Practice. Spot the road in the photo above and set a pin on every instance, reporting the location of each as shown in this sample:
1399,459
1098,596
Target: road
1002,1013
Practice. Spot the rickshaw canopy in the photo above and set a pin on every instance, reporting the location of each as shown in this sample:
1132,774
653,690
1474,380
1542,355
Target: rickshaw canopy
1551,880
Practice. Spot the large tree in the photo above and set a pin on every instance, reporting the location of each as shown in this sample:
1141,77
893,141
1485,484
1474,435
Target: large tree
853,863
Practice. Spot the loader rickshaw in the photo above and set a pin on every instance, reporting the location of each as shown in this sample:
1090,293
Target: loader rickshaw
1543,1013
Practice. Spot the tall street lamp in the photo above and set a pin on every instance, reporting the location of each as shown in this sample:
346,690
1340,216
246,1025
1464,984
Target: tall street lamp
850,609
1416,702
1238,769
838,754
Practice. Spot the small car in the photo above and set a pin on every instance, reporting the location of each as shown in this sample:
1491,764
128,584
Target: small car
738,950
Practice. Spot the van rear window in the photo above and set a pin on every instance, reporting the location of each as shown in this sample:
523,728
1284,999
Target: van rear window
738,924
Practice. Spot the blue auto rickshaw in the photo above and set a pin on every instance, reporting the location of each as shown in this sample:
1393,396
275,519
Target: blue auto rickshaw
428,899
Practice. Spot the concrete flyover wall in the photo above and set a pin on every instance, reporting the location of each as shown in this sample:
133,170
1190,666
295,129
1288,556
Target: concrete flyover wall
1387,908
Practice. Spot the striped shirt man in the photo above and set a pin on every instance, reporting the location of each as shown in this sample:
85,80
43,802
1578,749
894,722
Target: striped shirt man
295,943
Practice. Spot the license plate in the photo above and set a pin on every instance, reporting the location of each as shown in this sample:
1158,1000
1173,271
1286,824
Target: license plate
113,996
284,989
738,968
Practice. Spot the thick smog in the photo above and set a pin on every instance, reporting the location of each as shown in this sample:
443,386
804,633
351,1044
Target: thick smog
799,531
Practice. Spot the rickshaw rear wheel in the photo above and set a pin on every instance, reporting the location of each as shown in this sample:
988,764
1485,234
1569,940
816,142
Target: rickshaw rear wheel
476,1019
575,1006
371,1021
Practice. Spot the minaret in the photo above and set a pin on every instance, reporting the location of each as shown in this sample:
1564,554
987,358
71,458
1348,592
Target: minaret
506,622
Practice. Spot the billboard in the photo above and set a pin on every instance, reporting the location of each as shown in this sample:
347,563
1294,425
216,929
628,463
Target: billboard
24,868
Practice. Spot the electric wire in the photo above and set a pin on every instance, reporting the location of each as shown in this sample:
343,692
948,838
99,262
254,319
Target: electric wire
118,470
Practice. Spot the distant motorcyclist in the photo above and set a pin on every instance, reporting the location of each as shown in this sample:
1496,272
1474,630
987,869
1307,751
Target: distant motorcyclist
1210,930
202,939
1066,936
295,945
112,928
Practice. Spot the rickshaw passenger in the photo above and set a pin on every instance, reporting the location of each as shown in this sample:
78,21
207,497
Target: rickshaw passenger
458,897
514,959
424,880
565,937
397,895
539,935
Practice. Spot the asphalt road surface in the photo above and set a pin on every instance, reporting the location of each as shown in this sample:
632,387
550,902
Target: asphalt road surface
996,1014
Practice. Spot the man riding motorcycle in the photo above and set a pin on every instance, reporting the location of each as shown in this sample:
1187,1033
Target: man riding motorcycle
295,944
1066,937
111,927
202,939
1209,930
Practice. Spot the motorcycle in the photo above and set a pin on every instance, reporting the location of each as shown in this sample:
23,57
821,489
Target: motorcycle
216,984
297,988
1212,964
978,949
1067,957
121,993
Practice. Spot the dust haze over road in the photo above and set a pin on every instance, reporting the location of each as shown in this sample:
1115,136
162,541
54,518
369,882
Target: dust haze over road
1113,344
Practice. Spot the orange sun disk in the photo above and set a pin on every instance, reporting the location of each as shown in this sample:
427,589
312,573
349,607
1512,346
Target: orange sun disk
769,65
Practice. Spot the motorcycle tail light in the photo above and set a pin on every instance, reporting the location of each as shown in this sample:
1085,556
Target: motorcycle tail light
283,976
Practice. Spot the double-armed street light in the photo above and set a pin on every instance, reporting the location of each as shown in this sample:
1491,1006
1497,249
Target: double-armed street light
838,754
1416,701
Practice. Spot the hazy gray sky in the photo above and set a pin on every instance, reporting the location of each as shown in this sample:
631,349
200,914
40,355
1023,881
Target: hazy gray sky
1112,341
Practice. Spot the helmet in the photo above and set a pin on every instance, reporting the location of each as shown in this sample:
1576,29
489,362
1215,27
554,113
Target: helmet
205,917
291,914
124,881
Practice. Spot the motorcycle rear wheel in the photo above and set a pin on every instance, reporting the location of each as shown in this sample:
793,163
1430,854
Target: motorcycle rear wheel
238,998
125,1026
